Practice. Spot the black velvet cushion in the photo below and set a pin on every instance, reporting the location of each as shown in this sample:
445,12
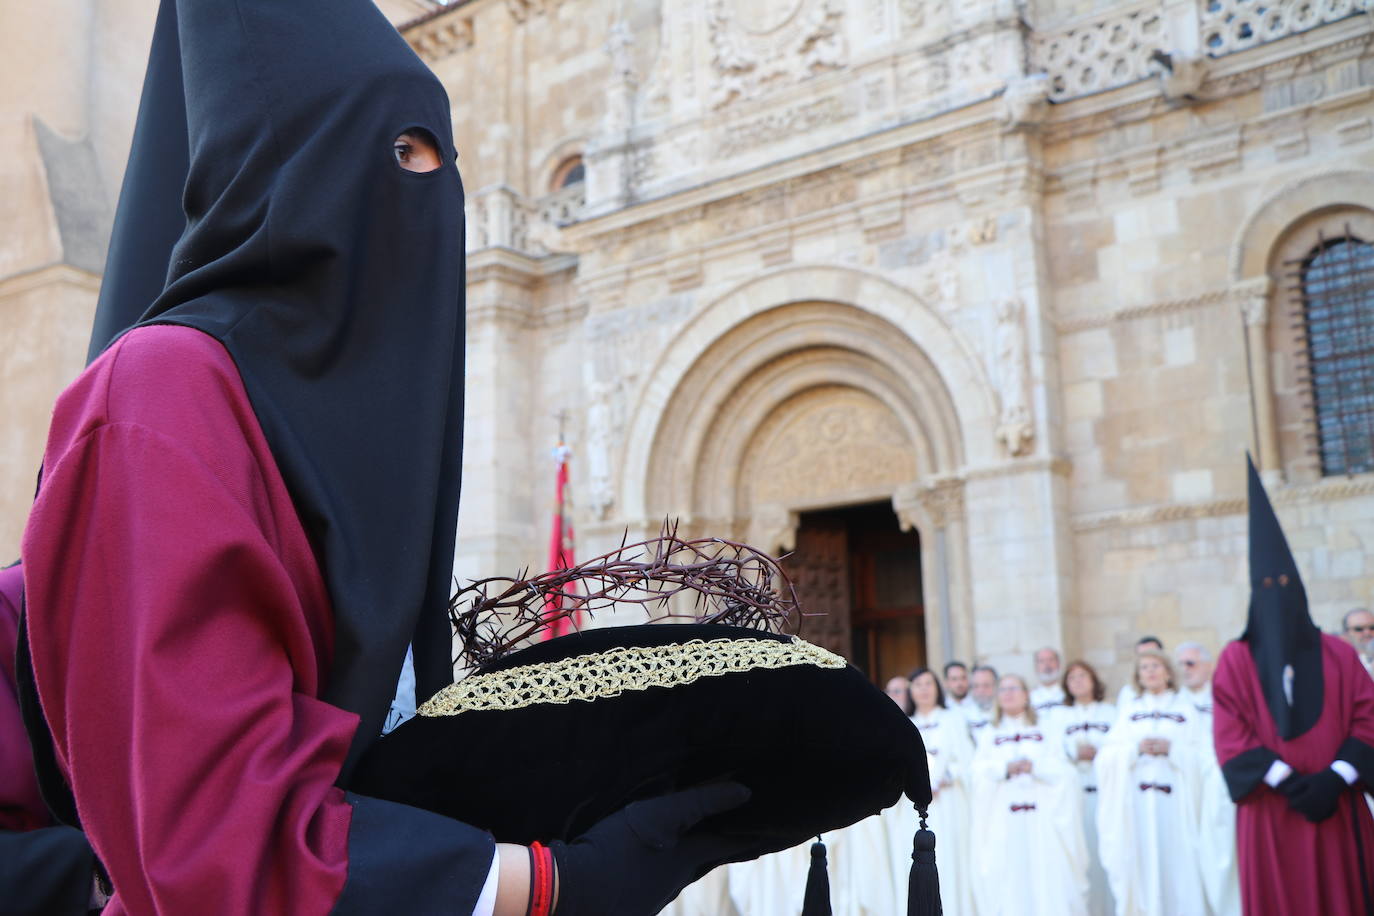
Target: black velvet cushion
820,748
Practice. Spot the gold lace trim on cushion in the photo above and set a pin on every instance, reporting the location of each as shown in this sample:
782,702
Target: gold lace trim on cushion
615,671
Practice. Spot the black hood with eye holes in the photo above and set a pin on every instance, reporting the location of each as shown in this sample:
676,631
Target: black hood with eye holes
335,280
1279,629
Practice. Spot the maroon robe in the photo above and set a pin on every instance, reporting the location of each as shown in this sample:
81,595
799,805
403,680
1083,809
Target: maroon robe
1288,866
181,633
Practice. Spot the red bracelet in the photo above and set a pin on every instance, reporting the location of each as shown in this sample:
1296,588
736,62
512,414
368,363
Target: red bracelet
541,880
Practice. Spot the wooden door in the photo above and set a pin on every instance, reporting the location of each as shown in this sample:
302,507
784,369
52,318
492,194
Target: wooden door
819,569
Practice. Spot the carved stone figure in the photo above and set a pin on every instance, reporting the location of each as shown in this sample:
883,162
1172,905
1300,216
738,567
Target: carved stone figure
1025,102
1015,427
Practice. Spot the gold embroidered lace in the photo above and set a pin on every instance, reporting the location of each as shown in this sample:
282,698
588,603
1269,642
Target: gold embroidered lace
613,672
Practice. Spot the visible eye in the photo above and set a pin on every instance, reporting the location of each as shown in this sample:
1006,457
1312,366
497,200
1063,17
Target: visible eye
416,150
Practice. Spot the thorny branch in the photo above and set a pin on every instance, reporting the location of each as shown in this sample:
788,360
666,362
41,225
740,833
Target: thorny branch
730,583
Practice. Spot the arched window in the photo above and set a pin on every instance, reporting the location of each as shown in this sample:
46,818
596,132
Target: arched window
570,171
1335,288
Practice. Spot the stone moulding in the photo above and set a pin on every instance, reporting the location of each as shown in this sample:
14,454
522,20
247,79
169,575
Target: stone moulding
1324,491
1078,323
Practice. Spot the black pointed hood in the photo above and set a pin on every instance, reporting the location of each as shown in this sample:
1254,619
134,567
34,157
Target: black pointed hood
335,280
1279,630
149,219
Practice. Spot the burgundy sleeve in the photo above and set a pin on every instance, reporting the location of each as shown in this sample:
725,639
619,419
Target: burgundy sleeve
178,669
1358,747
1244,760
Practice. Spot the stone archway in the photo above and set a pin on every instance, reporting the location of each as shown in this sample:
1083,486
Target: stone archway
812,405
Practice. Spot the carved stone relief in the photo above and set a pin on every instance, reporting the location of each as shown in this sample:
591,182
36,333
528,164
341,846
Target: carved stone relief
1015,426
605,426
758,43
825,444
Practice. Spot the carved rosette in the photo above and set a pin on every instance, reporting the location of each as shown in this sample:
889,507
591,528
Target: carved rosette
759,43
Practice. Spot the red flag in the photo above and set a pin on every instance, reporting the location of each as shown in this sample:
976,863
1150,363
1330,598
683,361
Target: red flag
561,546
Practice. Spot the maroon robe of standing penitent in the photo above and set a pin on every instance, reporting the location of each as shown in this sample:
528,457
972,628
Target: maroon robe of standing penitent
1289,866
1293,721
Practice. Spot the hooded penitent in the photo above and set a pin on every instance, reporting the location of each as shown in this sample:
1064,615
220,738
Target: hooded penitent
1284,641
333,278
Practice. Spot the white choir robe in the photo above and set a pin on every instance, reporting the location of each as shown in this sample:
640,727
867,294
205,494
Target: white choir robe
771,884
1217,828
862,871
950,752
978,720
1079,724
709,896
1148,808
1031,858
1048,696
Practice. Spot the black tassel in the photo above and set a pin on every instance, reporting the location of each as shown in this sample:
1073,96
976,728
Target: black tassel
923,886
817,899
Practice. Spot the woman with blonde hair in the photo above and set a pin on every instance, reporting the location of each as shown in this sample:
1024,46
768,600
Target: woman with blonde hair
1149,777
1032,856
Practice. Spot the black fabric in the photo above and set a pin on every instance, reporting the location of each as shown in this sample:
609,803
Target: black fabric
57,795
1359,755
635,861
404,860
1316,795
1279,629
923,881
334,279
149,218
45,872
1246,771
820,748
816,898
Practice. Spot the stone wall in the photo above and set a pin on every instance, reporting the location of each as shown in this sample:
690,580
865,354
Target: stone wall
1017,271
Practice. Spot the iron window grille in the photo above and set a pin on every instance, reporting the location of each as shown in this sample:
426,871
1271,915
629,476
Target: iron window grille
1334,285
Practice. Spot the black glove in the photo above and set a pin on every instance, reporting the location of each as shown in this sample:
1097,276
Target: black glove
1315,796
636,861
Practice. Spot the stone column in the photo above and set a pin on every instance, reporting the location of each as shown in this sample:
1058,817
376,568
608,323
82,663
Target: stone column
1254,296
936,510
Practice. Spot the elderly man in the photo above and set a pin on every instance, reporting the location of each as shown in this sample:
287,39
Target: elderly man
956,687
1048,671
1195,668
1357,628
983,691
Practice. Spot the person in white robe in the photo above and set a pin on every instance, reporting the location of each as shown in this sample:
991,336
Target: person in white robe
945,733
1143,644
771,884
956,686
1049,672
1083,725
708,896
1149,787
1031,857
983,691
1217,824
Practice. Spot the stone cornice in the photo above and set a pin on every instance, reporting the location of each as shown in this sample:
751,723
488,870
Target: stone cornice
1323,491
982,117
1077,323
26,281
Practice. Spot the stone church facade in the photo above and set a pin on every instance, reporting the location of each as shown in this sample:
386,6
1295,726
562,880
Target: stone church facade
1025,279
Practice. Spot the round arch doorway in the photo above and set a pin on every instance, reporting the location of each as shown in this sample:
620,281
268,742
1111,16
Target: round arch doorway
858,577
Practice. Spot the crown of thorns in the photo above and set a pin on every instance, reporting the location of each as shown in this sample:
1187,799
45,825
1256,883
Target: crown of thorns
728,583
